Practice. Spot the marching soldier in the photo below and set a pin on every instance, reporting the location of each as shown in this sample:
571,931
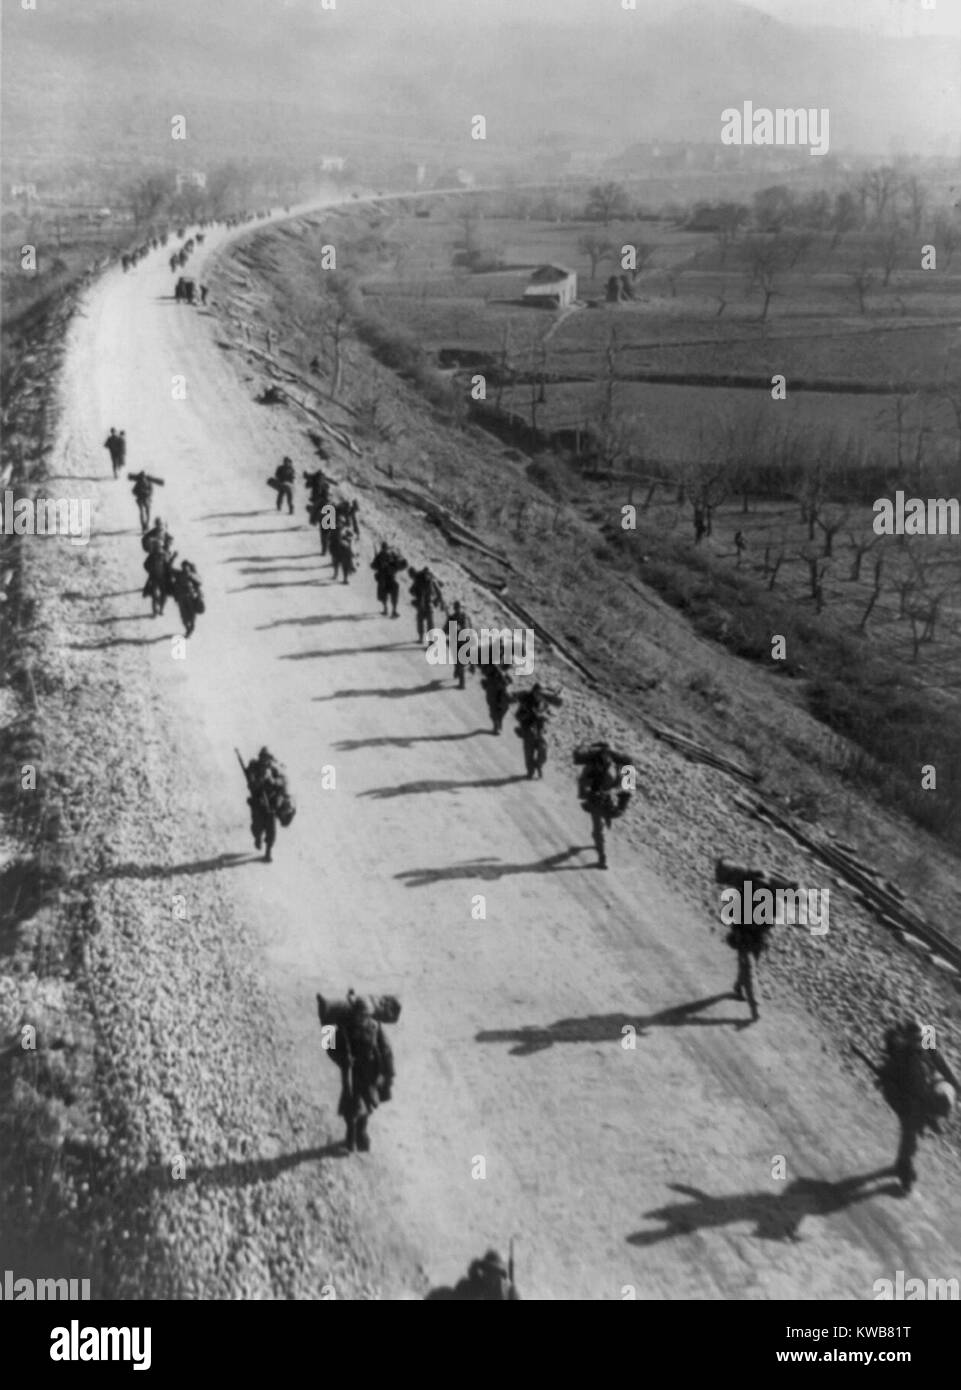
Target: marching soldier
496,682
188,593
157,565
318,498
533,713
461,623
601,791
749,939
284,480
269,799
919,1086
488,1280
346,514
158,535
143,486
426,596
116,446
387,565
364,1056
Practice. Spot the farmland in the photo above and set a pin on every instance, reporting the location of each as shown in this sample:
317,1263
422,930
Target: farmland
872,625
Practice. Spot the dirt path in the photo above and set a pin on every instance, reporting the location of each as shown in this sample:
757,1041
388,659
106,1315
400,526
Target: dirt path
374,886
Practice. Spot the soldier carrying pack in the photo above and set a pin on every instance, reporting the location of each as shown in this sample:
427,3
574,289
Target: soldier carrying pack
359,1047
269,800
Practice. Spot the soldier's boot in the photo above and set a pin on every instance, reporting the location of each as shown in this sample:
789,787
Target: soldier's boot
461,678
750,984
363,1138
598,830
351,1137
904,1166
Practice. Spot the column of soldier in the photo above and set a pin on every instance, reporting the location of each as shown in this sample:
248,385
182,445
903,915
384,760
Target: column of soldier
915,1080
165,579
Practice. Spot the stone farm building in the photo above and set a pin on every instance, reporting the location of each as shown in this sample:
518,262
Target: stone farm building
552,285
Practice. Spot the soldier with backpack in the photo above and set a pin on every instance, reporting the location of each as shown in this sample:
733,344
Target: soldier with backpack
158,566
283,484
748,938
489,1280
601,790
458,626
533,713
919,1086
388,564
359,1047
269,800
116,446
143,486
425,595
188,593
496,682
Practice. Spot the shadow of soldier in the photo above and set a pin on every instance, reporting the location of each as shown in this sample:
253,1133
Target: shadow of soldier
777,1216
606,1027
488,870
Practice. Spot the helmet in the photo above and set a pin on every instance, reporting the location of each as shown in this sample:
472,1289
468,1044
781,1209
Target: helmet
264,753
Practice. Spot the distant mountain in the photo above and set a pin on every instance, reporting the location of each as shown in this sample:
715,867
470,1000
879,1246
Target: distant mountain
100,80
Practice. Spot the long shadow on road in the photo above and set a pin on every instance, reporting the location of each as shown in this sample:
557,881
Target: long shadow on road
118,642
491,869
775,1216
350,745
232,516
318,620
243,1173
254,531
285,584
417,788
340,651
199,866
394,692
606,1027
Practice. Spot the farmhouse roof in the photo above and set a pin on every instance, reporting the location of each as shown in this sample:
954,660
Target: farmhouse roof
549,274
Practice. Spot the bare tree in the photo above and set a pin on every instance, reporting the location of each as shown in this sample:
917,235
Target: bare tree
881,187
861,543
817,566
875,593
596,249
845,217
831,524
890,249
916,196
606,201
947,238
862,280
765,259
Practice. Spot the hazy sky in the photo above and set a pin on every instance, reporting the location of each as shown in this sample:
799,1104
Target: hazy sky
893,17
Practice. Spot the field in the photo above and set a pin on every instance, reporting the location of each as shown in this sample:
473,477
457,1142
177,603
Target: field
872,625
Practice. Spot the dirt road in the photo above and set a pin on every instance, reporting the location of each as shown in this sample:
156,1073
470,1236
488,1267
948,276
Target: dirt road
579,1138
